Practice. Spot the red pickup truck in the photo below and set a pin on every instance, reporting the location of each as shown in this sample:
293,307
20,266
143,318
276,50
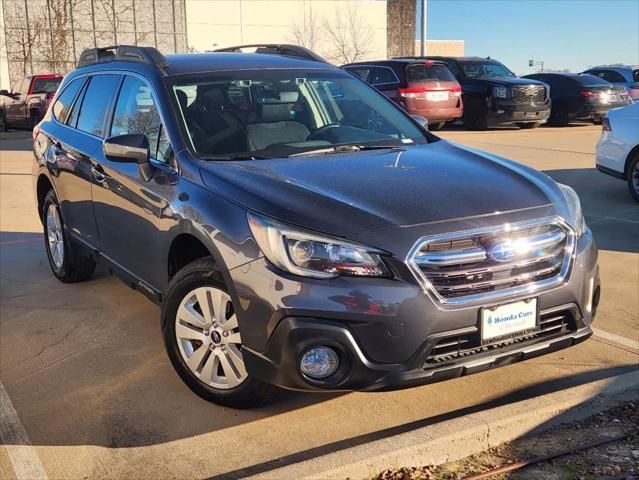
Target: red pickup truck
27,102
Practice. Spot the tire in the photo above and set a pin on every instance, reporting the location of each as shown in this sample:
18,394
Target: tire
475,116
34,119
3,122
559,118
65,259
633,177
528,125
204,345
436,126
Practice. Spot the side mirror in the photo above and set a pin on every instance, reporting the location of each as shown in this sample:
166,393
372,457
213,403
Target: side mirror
130,148
5,93
423,121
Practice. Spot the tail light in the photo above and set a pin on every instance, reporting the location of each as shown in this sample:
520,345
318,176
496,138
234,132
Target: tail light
49,97
456,92
588,93
605,125
411,92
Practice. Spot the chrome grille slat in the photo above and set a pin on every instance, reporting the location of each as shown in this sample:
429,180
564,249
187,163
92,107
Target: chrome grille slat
496,267
529,94
493,261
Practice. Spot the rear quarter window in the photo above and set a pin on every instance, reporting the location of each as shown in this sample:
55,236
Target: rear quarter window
428,73
591,80
96,103
63,104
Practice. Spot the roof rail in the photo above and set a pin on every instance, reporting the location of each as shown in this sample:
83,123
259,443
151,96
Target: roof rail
278,49
123,53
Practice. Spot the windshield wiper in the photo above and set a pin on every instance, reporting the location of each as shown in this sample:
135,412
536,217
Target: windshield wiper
349,148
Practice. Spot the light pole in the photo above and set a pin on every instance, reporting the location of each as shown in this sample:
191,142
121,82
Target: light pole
422,35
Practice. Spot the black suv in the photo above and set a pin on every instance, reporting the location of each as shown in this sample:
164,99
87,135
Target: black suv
299,229
494,96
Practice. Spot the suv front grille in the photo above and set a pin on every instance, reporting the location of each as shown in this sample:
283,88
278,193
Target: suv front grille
456,347
529,94
493,261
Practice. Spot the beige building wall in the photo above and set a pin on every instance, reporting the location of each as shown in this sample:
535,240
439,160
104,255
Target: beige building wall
445,48
221,23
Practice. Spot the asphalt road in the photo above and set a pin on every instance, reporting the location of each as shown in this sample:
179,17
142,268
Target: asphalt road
84,370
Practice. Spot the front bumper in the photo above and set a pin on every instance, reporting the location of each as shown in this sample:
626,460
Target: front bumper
504,112
385,331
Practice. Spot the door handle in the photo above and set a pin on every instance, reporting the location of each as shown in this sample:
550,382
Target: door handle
98,173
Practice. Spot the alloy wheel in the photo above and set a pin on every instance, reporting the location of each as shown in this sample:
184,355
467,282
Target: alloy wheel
208,338
635,178
55,238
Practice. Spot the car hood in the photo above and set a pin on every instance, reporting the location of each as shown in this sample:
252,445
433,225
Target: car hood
511,81
348,193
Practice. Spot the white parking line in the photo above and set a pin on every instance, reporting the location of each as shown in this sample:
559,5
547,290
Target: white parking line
626,342
13,437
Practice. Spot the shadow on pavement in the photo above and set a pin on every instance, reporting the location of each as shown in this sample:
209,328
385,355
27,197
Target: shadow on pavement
611,213
537,390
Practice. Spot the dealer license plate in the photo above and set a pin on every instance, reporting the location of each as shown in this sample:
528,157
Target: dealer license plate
509,319
436,96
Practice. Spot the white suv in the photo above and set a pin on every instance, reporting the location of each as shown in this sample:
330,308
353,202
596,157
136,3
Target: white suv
618,146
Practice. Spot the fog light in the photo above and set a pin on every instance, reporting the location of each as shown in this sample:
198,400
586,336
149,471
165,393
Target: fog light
319,362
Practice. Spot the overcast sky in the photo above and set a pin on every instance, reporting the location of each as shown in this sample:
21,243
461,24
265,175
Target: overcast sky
573,34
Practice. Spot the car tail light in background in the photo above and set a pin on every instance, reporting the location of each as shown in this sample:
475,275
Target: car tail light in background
588,93
605,125
421,92
49,97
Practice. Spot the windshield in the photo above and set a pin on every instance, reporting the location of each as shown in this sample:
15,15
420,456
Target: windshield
46,85
418,72
276,113
486,69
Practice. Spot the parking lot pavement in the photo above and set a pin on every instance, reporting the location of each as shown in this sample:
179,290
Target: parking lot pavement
85,369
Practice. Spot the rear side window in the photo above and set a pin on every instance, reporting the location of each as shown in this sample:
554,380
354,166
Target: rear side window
63,104
418,72
361,72
136,112
383,76
96,103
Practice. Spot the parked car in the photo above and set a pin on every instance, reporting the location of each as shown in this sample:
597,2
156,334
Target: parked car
494,96
621,75
300,238
425,88
28,101
580,97
618,146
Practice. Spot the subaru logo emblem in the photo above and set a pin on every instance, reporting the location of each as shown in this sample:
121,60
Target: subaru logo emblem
503,251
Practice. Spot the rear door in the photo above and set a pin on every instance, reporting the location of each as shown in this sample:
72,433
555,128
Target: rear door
15,105
430,87
68,155
128,208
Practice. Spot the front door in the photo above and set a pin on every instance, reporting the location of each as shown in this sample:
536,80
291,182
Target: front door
128,207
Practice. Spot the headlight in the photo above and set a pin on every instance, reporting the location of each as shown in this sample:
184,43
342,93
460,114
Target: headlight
575,206
500,92
310,255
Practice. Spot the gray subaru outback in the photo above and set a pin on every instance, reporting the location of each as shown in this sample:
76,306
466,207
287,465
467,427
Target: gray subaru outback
300,230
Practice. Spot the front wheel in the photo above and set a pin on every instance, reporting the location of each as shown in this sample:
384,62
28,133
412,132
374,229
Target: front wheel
203,340
529,125
633,177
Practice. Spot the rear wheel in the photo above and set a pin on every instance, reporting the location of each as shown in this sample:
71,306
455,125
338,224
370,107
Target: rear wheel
528,125
203,340
34,118
66,261
475,116
633,177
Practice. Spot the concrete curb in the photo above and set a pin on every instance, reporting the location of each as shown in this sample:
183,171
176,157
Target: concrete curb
458,438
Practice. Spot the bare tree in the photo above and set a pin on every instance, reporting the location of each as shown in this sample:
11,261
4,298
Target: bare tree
348,34
21,40
60,54
308,34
